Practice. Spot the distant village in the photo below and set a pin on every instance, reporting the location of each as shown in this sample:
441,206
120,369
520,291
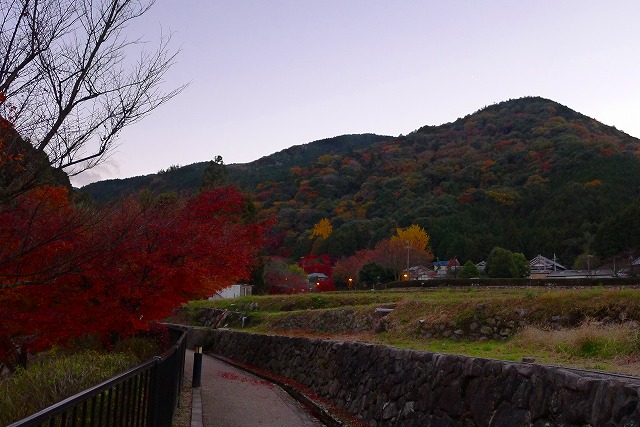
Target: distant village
541,268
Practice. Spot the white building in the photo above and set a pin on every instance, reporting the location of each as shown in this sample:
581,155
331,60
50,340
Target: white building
233,291
542,266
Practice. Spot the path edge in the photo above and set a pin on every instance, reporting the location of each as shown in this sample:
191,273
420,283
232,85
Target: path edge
196,408
320,410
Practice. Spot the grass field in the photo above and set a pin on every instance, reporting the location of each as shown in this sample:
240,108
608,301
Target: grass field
595,328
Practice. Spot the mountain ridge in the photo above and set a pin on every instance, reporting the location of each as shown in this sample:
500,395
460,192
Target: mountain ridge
528,174
190,176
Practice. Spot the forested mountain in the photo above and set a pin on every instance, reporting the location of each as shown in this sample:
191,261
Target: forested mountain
529,175
271,168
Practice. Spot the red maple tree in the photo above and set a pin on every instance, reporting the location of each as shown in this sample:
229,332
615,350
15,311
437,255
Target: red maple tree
319,264
68,270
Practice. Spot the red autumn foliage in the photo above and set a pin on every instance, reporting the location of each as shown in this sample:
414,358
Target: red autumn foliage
316,264
465,198
68,270
350,267
319,264
606,151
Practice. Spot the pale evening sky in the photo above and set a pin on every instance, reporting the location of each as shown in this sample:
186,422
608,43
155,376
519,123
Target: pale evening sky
267,75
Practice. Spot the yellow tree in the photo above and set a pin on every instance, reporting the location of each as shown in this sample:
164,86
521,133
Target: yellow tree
322,229
415,237
412,241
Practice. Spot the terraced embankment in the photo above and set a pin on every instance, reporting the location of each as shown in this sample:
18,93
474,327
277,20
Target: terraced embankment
590,328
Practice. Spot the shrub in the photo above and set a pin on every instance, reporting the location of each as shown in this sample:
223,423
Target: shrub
53,377
590,340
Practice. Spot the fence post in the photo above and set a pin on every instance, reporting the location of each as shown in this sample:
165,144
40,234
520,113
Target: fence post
154,391
197,367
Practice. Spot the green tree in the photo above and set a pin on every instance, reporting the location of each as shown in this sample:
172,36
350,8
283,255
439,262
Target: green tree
500,263
521,266
468,271
620,231
215,174
373,273
278,276
256,280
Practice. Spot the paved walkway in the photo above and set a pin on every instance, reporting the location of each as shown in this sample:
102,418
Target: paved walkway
230,397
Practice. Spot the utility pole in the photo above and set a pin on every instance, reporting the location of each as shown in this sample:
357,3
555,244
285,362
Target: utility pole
408,247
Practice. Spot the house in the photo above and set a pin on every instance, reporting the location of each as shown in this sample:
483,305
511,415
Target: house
439,265
453,264
419,272
314,278
444,267
541,267
632,270
233,291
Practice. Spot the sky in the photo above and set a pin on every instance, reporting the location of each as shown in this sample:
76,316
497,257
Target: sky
267,75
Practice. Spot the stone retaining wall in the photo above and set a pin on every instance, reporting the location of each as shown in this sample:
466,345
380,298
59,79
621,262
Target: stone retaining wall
385,386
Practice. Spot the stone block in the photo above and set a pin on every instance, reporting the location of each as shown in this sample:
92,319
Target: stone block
508,416
625,403
389,410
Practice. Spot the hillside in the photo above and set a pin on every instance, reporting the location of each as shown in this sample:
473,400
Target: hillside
529,174
274,167
175,179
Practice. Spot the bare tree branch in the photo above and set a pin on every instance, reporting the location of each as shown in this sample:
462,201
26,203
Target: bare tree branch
70,80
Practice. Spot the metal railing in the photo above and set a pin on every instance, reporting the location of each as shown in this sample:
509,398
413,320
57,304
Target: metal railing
146,395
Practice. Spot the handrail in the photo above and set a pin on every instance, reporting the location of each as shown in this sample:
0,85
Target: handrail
56,408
